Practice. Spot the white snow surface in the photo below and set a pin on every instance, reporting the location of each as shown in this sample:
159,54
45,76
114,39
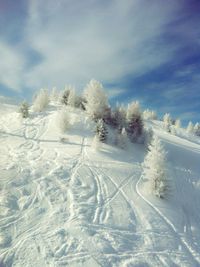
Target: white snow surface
62,203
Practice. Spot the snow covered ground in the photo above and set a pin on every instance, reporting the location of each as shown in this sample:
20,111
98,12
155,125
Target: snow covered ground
65,204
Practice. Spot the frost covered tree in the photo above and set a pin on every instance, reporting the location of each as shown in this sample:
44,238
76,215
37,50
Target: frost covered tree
24,109
63,120
148,136
149,114
167,122
154,168
101,131
177,123
80,102
41,100
134,122
190,128
118,118
54,95
96,100
65,94
71,97
197,129
122,138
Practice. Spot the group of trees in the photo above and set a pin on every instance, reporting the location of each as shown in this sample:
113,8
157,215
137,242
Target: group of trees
126,123
193,129
171,125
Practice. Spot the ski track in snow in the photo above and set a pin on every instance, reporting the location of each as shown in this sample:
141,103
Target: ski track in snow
194,256
63,205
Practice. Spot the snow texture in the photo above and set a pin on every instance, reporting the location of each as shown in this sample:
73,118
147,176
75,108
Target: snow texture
64,203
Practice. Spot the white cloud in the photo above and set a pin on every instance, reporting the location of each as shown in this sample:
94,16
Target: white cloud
114,92
11,67
83,39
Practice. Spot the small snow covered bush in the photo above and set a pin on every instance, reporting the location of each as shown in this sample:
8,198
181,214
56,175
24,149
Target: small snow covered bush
63,120
154,168
41,101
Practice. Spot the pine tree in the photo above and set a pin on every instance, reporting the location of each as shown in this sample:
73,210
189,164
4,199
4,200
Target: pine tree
122,139
118,118
197,129
178,123
154,168
190,128
96,100
24,109
134,126
167,122
65,95
149,114
101,131
80,102
71,97
54,94
148,136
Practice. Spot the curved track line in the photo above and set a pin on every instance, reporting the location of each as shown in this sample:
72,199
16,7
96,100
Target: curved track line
168,222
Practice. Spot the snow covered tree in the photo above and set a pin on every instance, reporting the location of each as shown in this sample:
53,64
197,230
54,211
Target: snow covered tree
118,118
122,138
190,128
63,120
24,109
154,168
80,102
167,122
71,97
41,100
197,129
177,123
54,94
148,136
101,130
134,122
149,114
97,102
65,94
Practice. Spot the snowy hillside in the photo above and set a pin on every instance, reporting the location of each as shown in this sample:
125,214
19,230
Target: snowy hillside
62,203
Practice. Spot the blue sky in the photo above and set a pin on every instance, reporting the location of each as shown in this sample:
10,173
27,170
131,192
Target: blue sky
139,49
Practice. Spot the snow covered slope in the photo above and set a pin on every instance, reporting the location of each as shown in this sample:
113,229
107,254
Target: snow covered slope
65,204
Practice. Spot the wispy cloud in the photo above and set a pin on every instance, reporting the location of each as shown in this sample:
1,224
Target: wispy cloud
78,40
12,65
69,42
